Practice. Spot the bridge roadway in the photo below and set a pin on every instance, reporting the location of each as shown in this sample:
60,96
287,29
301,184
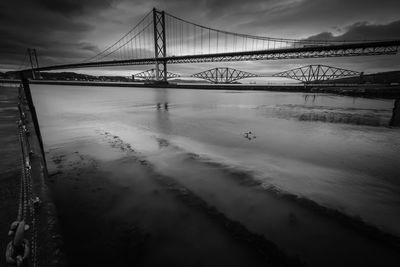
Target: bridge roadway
341,50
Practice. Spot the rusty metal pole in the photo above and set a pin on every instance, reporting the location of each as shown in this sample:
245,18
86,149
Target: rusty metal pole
35,121
37,62
31,60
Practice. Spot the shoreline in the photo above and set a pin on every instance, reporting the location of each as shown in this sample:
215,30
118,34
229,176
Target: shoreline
352,90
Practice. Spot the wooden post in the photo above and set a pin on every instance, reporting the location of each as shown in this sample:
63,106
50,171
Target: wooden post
395,121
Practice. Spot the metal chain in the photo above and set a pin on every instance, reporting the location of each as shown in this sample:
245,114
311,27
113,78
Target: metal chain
21,185
26,192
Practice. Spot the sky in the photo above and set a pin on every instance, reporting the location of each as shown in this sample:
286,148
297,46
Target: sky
68,31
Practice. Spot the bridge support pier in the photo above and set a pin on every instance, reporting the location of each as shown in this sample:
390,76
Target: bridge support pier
395,121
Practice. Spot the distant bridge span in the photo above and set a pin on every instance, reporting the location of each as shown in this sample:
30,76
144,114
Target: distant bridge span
305,74
314,73
151,75
224,75
161,39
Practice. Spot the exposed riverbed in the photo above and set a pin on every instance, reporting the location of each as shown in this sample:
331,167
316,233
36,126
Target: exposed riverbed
156,176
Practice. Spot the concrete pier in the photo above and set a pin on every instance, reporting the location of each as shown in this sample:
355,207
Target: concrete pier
50,246
10,163
24,180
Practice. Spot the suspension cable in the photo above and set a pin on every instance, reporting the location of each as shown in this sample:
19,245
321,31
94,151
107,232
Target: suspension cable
109,47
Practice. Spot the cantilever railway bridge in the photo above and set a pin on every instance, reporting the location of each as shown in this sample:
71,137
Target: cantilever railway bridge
161,39
305,74
152,73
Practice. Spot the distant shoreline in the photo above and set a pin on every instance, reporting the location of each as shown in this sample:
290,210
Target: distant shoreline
355,90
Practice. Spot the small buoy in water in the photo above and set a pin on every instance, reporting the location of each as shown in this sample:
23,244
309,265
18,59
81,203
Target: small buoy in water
249,135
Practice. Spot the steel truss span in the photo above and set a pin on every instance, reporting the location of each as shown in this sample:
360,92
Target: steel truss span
223,75
312,73
152,74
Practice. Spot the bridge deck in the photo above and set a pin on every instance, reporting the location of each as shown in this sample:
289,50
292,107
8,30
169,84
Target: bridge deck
342,50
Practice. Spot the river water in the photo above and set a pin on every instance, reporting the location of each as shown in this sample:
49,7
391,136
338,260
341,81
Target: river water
335,151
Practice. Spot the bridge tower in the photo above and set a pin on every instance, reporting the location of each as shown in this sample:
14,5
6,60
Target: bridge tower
160,49
34,62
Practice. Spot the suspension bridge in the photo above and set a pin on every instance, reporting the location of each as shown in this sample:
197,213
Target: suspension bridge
161,39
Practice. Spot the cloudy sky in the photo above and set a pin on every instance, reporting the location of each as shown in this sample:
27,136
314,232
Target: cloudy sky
67,31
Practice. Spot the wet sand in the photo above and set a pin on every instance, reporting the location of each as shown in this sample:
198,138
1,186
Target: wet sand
318,235
131,215
117,208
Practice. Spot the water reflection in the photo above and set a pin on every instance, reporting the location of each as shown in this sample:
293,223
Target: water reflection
162,122
307,97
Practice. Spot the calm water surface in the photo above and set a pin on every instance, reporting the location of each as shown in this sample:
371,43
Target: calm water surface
334,150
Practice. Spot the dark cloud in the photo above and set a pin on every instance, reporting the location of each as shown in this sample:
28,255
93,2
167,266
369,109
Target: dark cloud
62,6
30,24
303,17
66,31
364,31
70,7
